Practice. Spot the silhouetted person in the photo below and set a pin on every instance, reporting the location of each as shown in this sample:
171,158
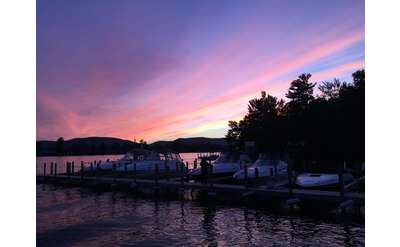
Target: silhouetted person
204,171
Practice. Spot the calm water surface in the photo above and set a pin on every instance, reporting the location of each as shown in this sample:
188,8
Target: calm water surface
79,217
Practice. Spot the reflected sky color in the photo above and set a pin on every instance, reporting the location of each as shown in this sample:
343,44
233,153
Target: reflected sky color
161,70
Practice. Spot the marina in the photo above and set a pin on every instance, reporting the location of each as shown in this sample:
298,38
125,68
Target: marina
279,189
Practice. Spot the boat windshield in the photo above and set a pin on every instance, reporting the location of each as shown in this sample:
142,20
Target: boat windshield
170,156
225,158
141,155
265,162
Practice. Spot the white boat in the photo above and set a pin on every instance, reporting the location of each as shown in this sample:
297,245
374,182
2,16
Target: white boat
224,165
315,180
266,167
144,160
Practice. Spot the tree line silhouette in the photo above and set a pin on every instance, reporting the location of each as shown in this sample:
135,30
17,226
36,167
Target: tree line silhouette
87,146
327,128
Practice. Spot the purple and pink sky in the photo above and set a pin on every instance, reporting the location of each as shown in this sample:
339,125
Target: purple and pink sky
160,70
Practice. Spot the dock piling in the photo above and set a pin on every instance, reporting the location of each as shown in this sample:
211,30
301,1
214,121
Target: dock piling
114,169
182,174
245,175
166,169
81,170
211,177
290,179
156,174
341,182
73,167
134,172
51,168
55,168
44,169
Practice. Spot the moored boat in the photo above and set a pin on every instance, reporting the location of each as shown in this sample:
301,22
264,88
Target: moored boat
143,160
321,180
265,166
225,165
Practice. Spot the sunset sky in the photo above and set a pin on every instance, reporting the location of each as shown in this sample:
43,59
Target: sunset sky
160,70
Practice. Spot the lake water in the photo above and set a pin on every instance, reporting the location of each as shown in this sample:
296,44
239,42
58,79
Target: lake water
81,217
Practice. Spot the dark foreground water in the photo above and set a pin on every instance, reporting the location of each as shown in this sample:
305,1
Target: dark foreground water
79,217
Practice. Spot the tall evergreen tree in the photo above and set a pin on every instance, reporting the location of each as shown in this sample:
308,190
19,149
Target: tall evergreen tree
300,94
60,146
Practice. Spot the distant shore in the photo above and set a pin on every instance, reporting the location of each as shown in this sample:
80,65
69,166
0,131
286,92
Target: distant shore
110,146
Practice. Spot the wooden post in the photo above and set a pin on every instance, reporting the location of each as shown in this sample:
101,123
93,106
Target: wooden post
290,179
245,175
55,168
195,164
156,174
256,172
51,168
187,167
134,172
166,167
182,174
210,176
341,182
82,170
44,169
114,169
73,167
271,171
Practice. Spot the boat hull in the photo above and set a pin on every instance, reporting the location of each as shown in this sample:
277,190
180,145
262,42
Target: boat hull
320,181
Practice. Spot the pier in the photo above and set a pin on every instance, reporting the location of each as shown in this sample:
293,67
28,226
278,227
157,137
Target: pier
274,189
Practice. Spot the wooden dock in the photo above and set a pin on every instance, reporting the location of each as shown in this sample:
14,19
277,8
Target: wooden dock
282,193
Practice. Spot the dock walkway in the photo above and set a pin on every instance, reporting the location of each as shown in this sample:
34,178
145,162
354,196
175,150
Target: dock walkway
264,191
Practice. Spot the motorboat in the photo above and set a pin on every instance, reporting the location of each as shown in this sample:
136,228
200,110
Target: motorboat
318,180
265,166
144,160
225,165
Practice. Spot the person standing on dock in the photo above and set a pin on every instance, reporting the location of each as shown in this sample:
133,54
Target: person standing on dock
204,170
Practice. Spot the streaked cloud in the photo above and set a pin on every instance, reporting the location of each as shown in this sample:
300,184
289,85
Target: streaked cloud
166,70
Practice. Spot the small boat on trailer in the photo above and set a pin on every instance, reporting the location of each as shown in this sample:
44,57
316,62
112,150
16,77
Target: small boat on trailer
321,180
265,166
225,165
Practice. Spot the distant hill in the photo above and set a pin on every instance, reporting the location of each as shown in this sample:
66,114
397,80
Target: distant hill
193,144
85,146
110,145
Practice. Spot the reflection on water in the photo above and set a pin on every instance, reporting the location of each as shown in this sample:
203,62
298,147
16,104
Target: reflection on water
79,217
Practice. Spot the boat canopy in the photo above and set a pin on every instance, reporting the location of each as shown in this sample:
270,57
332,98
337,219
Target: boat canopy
265,160
144,154
227,158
